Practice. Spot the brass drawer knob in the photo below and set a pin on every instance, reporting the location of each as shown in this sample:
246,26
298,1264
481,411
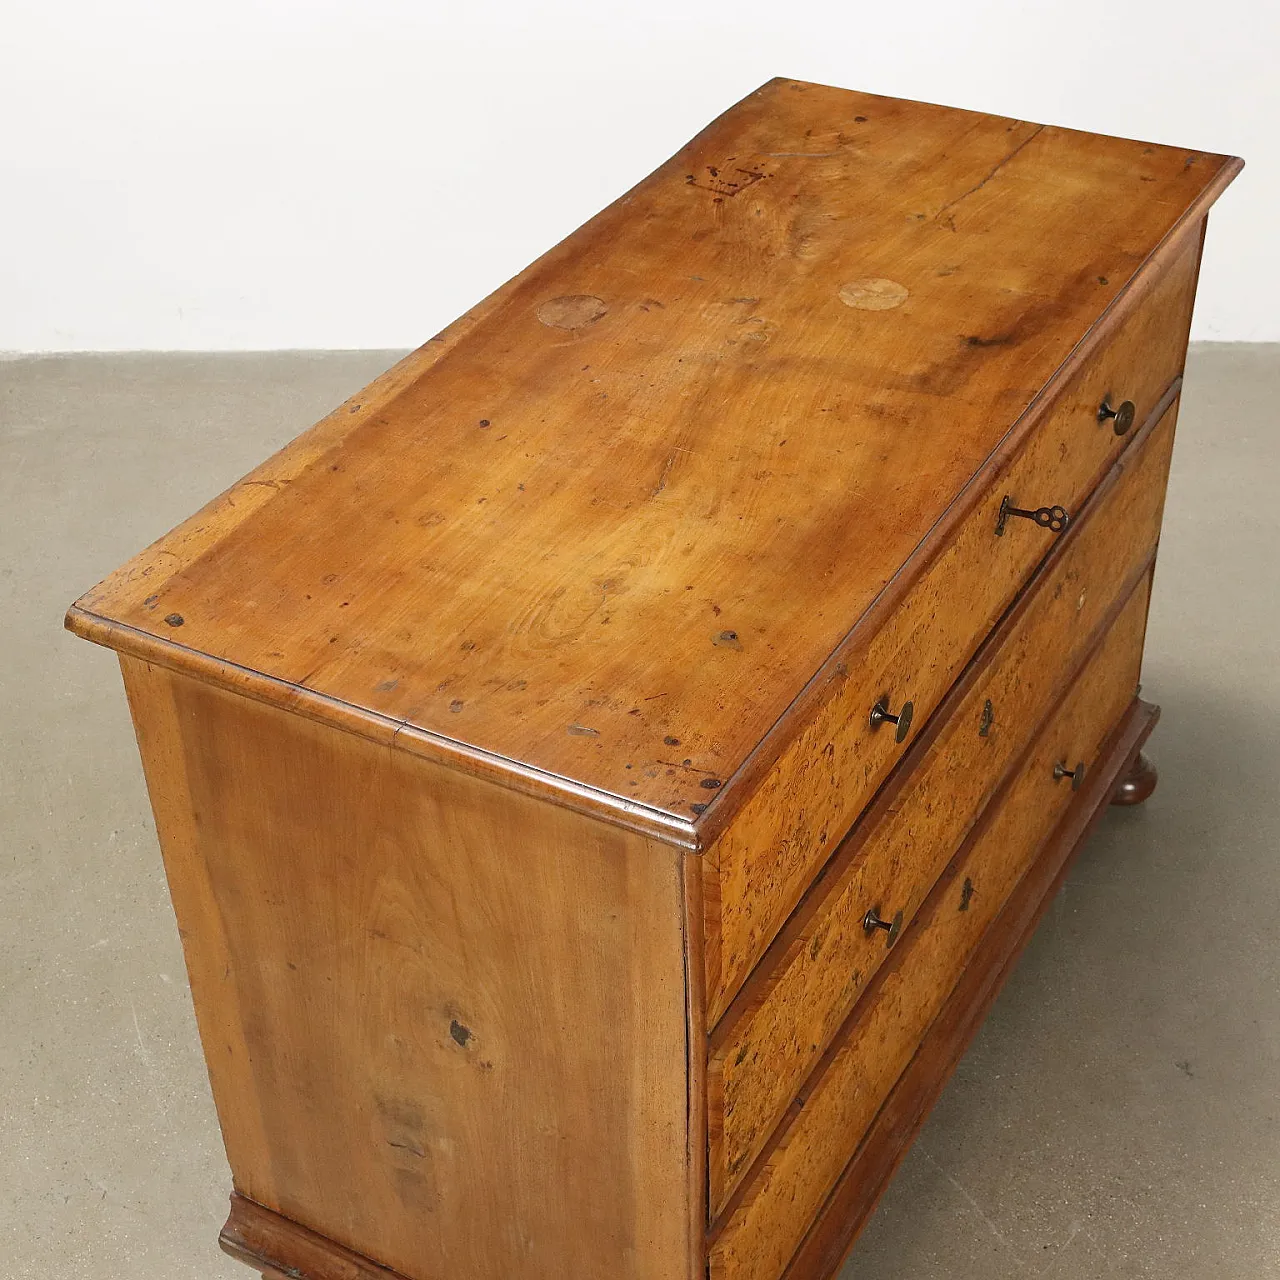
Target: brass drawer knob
880,715
1121,417
1055,519
1076,775
871,922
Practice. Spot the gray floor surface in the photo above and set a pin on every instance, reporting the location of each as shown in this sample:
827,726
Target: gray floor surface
1119,1114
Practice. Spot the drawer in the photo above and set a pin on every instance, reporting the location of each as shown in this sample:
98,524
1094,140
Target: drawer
825,1125
788,1012
758,867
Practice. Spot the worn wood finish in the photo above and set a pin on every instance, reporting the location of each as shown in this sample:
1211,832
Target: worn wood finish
837,1107
445,1023
503,731
865,1178
559,546
763,861
807,984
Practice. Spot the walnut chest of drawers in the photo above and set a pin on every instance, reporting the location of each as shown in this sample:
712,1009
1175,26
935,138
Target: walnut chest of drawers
606,768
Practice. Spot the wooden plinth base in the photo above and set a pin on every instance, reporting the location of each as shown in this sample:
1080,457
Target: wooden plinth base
284,1250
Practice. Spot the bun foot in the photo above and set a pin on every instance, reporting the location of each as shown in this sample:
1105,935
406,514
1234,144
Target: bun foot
1137,784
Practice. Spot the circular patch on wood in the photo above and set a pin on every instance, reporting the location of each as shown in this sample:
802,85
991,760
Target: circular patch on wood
873,294
573,311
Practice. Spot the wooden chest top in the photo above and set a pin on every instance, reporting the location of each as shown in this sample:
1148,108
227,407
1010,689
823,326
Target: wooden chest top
604,532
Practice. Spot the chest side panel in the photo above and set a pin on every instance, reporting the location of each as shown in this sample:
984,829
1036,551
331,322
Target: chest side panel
445,1024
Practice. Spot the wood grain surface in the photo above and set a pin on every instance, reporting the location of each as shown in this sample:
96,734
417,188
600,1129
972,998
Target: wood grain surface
867,1175
799,811
837,1107
601,541
445,1024
797,999
508,733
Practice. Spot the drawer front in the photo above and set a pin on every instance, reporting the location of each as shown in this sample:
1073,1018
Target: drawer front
760,865
827,1122
787,1014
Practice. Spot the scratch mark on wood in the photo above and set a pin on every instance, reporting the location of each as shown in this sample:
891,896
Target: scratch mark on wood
411,1147
722,186
666,471
977,186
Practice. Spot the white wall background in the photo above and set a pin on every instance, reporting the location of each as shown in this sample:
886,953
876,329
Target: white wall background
311,173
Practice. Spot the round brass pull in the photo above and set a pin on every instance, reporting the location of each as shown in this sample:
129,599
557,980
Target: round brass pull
880,715
871,922
1076,775
1121,417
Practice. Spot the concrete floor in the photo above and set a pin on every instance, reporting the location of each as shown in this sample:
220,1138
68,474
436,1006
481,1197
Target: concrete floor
1118,1116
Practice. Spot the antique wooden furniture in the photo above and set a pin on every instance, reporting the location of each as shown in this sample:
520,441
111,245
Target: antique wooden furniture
606,769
